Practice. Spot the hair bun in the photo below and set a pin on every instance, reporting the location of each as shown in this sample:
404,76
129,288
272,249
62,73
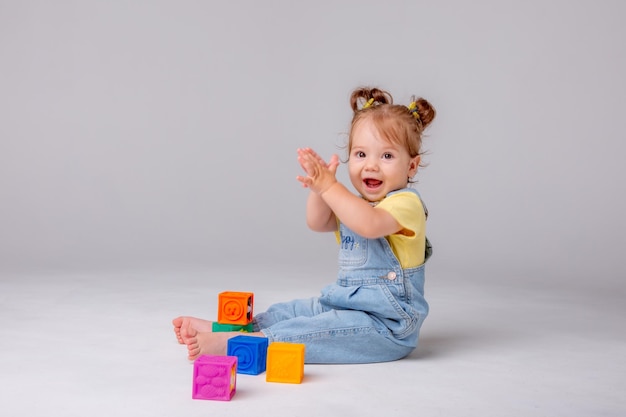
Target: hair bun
425,111
362,95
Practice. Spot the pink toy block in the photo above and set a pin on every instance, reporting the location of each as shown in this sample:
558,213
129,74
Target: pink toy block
235,307
214,378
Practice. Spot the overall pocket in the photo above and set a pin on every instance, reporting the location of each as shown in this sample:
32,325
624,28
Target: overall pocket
352,250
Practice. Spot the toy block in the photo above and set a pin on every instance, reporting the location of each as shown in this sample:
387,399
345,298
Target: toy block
235,307
251,353
285,362
220,327
214,378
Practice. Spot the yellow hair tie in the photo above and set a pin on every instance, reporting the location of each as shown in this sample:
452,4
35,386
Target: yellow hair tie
413,109
368,103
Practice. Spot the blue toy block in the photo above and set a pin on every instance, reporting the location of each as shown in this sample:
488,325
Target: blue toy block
251,353
214,378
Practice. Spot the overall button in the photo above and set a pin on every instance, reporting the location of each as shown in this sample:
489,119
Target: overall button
391,275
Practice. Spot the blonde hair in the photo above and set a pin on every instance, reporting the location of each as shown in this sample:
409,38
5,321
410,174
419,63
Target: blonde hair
395,123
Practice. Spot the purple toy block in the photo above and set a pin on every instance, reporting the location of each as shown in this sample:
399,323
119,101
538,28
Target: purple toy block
214,378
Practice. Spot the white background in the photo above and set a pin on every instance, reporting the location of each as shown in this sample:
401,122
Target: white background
159,132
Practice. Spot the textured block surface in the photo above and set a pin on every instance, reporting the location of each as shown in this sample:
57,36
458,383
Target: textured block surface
251,353
285,362
235,307
214,378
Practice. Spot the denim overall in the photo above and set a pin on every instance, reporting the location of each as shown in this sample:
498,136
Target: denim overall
372,313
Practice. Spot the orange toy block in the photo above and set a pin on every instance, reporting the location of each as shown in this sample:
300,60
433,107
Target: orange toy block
285,362
235,307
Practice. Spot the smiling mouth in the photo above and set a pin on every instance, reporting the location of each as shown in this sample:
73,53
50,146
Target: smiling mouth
371,183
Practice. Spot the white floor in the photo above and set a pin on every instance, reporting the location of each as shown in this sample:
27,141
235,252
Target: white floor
102,345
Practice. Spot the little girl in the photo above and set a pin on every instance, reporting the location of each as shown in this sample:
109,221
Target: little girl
374,311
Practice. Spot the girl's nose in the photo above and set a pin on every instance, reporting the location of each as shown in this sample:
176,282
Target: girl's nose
371,164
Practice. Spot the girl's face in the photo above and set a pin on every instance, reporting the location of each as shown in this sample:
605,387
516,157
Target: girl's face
377,167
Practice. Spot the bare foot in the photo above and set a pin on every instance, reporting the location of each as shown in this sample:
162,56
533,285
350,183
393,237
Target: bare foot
186,327
212,343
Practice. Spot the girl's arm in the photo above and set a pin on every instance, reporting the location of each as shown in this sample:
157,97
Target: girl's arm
356,213
319,216
352,210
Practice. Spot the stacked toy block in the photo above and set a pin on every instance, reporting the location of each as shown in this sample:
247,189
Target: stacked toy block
215,377
234,312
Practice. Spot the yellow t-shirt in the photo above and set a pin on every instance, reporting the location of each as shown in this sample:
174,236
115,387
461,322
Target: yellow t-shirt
409,244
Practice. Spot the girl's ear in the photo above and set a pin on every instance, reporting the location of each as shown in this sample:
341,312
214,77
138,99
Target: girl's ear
414,163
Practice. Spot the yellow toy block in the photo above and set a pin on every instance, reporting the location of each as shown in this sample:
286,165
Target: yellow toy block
285,362
235,307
